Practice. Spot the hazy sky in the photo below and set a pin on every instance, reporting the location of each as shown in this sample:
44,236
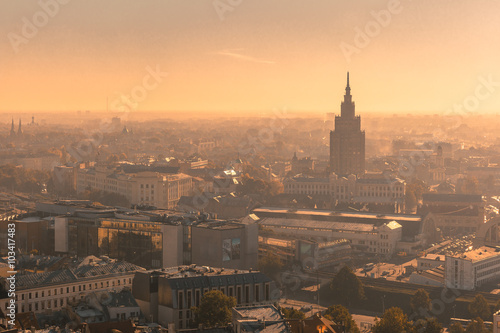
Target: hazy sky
260,55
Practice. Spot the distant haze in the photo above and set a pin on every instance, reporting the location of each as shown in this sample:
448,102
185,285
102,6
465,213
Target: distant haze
264,55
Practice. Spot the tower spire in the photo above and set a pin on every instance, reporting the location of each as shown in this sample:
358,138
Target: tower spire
348,87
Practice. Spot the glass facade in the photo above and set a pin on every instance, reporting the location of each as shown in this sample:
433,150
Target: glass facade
137,242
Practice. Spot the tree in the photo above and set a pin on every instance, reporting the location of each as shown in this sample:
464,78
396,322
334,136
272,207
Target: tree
456,328
214,309
476,326
479,308
428,325
270,265
410,200
291,313
418,187
470,185
339,314
420,302
347,287
497,307
392,321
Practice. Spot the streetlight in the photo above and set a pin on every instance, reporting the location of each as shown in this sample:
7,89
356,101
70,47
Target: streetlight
383,304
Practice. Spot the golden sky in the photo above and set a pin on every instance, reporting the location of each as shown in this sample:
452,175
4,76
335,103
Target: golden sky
249,55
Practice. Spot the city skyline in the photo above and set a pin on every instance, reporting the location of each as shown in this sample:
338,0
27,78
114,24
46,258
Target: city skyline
241,56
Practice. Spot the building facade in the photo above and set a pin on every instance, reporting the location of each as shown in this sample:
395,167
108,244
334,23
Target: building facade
149,188
473,268
347,141
377,190
454,213
167,296
53,291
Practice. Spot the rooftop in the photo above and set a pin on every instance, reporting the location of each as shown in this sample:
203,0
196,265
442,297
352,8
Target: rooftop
451,197
330,213
321,225
482,253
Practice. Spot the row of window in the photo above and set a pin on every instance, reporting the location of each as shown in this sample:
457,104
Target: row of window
242,294
73,289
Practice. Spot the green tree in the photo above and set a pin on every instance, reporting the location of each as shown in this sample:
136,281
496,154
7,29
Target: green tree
393,321
339,314
214,310
271,265
456,328
291,313
420,302
479,308
428,325
347,287
476,326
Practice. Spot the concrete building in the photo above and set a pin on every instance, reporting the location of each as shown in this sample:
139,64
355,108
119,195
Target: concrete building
454,213
313,254
363,237
150,188
160,238
370,233
167,296
473,268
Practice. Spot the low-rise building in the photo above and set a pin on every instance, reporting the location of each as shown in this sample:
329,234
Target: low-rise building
52,291
376,189
370,233
473,268
166,296
141,186
454,213
312,253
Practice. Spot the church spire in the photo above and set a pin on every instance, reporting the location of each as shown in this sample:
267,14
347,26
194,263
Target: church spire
19,130
12,131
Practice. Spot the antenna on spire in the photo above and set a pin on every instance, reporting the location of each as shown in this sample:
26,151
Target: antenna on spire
347,79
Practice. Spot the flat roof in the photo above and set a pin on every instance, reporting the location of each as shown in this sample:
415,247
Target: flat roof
482,253
308,224
320,212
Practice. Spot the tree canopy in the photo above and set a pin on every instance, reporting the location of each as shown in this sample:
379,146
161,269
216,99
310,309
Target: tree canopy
339,314
347,287
214,309
479,308
420,302
271,265
392,321
291,313
456,328
428,325
476,326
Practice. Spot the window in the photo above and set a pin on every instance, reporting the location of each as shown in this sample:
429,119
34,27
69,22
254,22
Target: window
247,294
180,302
197,298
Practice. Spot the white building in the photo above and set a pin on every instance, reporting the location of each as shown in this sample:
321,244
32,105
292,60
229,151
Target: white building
52,291
161,190
364,237
472,269
368,190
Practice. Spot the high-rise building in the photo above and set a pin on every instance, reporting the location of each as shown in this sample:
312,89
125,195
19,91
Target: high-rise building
347,141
